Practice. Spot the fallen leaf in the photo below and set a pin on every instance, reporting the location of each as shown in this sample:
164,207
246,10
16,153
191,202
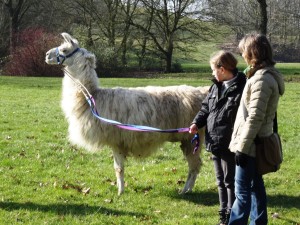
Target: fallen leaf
85,191
180,181
22,153
275,215
108,200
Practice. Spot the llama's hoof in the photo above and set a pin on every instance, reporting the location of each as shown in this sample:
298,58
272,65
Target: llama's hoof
120,192
185,191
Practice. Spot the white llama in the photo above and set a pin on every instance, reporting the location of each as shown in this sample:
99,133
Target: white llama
160,107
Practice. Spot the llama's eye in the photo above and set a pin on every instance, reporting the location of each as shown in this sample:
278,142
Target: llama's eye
64,50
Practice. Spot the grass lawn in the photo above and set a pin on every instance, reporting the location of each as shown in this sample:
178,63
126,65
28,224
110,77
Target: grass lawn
45,180
291,71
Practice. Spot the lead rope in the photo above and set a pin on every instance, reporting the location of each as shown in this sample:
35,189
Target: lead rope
132,127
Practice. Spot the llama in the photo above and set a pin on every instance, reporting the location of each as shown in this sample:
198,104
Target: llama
161,107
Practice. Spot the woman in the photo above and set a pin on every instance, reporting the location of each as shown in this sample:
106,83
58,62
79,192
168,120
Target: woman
218,114
254,118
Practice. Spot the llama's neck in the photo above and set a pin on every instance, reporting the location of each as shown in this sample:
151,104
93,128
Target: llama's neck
73,99
86,76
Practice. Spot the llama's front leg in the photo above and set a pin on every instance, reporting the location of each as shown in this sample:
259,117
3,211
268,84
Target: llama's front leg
194,164
119,160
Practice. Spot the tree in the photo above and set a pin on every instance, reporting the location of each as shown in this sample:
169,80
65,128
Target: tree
240,16
150,31
108,23
4,27
22,14
263,16
16,10
284,21
171,21
128,8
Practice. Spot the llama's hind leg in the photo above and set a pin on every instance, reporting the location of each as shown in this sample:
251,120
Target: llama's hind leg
194,164
119,160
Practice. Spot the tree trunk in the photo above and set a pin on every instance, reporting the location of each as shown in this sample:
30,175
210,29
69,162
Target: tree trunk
14,14
169,56
89,41
168,63
263,17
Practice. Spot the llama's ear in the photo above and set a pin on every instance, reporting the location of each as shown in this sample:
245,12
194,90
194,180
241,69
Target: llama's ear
68,38
91,58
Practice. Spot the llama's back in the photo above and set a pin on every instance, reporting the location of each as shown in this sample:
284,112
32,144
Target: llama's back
160,107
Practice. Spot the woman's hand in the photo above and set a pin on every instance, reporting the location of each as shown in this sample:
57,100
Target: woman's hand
241,159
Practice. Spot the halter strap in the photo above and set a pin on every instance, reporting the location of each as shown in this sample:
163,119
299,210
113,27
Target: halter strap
64,57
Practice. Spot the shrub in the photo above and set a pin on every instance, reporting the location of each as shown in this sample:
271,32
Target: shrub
286,53
28,57
177,68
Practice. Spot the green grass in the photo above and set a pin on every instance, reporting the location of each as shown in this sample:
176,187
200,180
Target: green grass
284,68
43,177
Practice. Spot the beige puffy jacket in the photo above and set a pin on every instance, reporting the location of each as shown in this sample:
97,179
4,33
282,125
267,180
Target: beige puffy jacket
257,109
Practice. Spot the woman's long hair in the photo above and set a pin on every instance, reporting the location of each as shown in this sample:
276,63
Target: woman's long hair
257,51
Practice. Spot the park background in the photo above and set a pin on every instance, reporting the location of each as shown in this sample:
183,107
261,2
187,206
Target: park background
45,180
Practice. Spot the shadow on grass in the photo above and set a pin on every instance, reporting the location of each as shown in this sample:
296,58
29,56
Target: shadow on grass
210,198
284,201
62,209
287,202
206,198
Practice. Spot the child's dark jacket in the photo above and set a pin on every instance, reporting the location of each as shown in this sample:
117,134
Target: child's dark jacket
218,113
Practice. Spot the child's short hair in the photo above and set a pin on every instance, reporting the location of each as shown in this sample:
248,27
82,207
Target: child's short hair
224,59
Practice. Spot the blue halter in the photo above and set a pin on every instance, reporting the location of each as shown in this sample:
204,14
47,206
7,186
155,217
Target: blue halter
64,57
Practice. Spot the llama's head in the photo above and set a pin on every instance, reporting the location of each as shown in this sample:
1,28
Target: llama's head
69,53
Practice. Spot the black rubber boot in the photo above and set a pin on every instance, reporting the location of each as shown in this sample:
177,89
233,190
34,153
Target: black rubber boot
222,214
227,217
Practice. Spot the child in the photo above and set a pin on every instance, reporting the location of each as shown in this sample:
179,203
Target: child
218,114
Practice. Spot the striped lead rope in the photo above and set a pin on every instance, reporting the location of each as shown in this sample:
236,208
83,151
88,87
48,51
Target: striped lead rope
140,128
